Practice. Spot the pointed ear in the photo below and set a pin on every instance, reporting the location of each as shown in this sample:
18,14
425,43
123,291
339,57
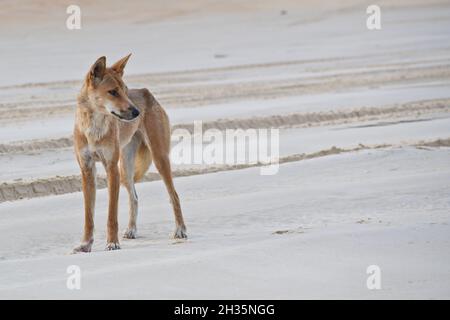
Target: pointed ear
120,65
97,70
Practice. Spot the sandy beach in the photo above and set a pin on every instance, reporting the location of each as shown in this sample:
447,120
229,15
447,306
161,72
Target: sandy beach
364,144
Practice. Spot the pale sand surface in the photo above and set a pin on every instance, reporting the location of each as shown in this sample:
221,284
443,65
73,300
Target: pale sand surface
364,136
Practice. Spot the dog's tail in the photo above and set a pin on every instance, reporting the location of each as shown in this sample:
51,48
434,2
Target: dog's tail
142,161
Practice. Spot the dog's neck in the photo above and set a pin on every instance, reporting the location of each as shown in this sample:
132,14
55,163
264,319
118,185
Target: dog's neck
95,125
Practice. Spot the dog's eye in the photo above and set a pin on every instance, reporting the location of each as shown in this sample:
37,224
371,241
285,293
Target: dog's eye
114,93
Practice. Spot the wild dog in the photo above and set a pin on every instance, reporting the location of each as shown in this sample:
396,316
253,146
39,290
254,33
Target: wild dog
124,129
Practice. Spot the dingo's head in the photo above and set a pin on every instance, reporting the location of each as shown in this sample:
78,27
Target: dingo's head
107,92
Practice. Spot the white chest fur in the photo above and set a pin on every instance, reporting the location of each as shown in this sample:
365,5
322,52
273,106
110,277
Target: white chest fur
99,126
96,127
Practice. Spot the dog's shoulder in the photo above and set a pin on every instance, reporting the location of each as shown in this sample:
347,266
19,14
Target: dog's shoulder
143,97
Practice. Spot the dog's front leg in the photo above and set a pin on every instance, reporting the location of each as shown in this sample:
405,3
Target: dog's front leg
113,188
88,184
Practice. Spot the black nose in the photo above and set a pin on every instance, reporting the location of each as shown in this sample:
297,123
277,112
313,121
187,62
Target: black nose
134,112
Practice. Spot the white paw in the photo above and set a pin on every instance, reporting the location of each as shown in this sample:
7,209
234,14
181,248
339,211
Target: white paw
180,233
83,247
112,246
130,233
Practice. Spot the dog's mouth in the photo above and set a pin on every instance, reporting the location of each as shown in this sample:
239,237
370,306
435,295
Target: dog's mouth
130,116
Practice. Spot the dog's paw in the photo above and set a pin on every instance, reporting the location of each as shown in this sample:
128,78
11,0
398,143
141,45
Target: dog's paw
83,247
130,233
112,246
180,233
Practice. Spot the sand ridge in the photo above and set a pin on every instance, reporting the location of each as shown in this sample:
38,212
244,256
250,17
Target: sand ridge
68,184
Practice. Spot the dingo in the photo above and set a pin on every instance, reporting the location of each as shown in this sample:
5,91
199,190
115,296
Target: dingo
125,129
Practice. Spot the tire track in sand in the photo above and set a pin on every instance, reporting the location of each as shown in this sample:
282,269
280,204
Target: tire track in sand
394,111
69,184
195,92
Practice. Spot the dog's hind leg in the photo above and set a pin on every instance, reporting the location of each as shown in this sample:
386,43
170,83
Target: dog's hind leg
127,160
158,133
162,163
